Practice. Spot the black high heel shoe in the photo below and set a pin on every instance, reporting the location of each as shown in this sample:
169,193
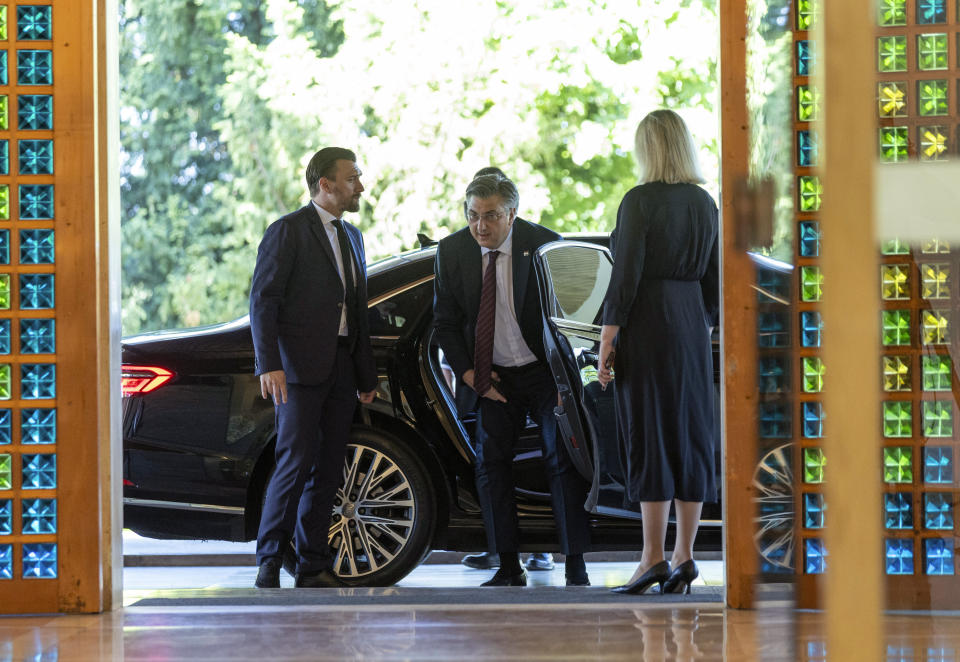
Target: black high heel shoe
657,574
681,578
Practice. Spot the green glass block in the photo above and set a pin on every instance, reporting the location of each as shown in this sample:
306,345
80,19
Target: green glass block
4,291
937,419
814,463
894,247
892,12
892,53
937,373
932,97
935,327
897,419
808,12
896,327
813,372
4,112
3,23
810,191
892,99
4,202
932,51
896,373
811,283
5,381
936,280
808,103
934,142
893,144
895,281
898,465
6,472
935,246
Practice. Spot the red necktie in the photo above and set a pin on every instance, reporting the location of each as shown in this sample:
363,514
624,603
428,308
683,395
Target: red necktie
486,323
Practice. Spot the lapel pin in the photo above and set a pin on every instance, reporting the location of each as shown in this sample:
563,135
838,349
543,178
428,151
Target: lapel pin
526,253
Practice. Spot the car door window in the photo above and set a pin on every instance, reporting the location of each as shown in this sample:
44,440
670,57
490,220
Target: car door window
579,275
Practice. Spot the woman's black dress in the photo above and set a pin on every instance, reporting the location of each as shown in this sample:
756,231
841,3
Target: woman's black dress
664,294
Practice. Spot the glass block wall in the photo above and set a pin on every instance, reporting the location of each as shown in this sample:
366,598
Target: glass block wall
28,370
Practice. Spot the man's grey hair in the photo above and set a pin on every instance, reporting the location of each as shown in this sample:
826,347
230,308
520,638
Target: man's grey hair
487,186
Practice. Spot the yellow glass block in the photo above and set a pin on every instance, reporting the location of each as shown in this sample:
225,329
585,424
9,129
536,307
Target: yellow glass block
896,373
936,330
895,281
935,246
936,280
892,99
933,143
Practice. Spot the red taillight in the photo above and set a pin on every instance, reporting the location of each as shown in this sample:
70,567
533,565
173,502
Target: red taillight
138,379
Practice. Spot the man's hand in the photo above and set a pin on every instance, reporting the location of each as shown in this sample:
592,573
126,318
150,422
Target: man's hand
274,384
492,392
367,397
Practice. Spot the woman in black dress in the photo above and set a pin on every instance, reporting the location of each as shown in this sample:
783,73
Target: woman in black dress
661,303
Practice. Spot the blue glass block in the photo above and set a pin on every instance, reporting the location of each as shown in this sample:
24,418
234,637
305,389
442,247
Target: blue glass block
898,511
809,239
34,23
937,464
774,420
36,157
4,336
814,508
938,556
808,150
813,420
772,330
814,556
39,471
937,511
39,516
931,11
6,561
6,517
35,112
4,79
6,429
774,283
35,67
38,381
36,202
4,157
811,329
36,291
40,561
38,426
806,57
773,375
4,246
37,247
899,557
37,336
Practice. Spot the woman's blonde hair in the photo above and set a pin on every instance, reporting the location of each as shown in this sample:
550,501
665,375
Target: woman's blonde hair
665,151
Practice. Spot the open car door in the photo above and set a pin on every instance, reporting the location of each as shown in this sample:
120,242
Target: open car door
573,278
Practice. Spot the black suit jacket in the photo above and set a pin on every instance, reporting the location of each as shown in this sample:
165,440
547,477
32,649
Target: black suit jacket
457,292
295,302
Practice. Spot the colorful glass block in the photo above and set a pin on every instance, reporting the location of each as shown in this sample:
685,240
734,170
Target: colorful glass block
39,471
36,291
936,280
3,23
892,12
809,239
808,103
39,516
937,464
36,201
813,372
773,375
937,418
814,509
4,77
933,143
894,141
935,246
5,381
4,246
37,246
40,561
931,11
774,420
4,112
812,420
892,53
932,51
898,556
937,373
4,336
4,202
34,112
894,247
811,284
811,328
6,427
810,190
938,556
932,98
37,336
35,67
892,99
896,373
814,464
937,511
6,517
772,284
897,511
4,157
38,381
34,23
36,157
897,419
935,327
815,556
808,12
38,426
808,149
898,464
6,472
772,330
806,57
6,561
895,281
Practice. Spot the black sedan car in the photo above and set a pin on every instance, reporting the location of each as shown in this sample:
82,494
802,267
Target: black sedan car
199,439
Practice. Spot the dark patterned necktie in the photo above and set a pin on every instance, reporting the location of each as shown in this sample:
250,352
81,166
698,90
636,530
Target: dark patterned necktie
349,287
486,324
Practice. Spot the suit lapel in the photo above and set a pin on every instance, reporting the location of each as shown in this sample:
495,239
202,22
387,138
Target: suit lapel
472,276
521,266
316,226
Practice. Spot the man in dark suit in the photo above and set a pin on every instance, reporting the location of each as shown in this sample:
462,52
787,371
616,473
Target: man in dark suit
310,333
490,327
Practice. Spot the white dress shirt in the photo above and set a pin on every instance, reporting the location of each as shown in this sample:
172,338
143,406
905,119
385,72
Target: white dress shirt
331,231
509,347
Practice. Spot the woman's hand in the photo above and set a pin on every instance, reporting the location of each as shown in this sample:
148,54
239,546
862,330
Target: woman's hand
605,359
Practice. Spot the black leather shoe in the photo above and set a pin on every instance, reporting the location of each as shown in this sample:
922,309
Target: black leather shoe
322,579
658,574
484,561
269,574
680,579
539,561
578,579
507,578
